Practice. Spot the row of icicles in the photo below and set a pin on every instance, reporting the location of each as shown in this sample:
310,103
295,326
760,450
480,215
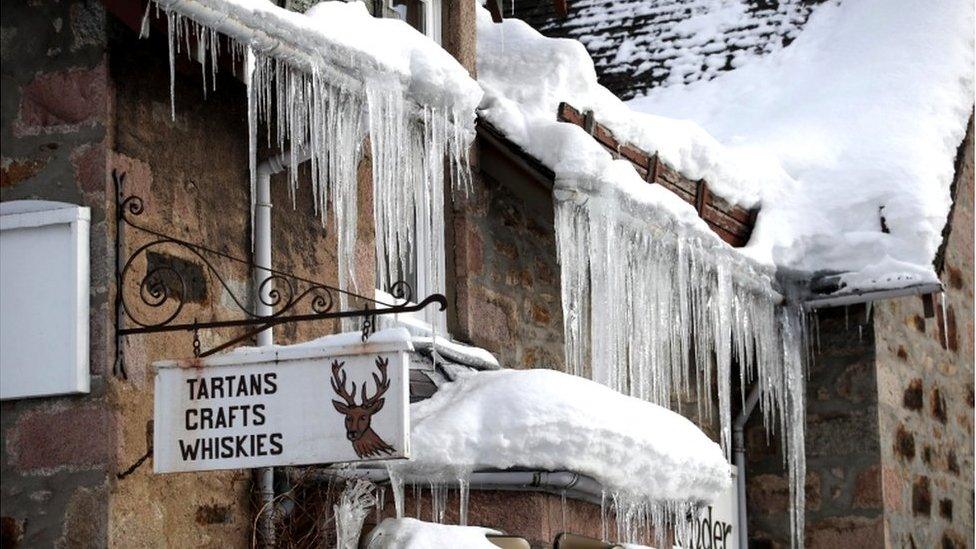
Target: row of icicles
656,311
633,520
311,115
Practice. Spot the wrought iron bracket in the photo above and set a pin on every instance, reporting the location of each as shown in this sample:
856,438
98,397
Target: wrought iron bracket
162,290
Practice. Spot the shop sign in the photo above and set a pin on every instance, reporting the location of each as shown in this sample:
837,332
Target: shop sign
282,406
717,527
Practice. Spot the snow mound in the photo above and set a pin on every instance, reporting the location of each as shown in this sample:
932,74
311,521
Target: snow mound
544,419
511,53
864,111
408,533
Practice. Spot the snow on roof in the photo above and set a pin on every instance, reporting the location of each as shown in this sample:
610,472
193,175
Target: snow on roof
512,54
640,44
344,39
864,111
408,533
858,118
544,419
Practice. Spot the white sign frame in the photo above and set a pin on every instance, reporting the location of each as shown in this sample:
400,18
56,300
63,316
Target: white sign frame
45,281
287,412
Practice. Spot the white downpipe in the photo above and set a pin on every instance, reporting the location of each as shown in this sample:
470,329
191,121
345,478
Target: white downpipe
262,270
739,447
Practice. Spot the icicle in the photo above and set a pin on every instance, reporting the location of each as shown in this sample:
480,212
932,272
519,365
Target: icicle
250,67
603,515
350,512
380,503
464,489
172,39
146,23
396,484
438,501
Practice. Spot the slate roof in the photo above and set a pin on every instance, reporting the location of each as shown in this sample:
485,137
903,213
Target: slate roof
637,45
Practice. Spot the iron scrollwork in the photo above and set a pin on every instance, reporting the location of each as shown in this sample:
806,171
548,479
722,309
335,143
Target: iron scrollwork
162,290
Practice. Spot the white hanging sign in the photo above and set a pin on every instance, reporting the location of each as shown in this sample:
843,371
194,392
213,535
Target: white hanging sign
718,525
262,407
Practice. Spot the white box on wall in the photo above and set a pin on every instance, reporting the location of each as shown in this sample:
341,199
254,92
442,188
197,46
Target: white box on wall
44,310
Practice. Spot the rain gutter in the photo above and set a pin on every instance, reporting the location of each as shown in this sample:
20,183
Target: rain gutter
572,485
857,297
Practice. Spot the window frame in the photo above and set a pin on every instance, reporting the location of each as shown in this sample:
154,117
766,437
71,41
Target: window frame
432,14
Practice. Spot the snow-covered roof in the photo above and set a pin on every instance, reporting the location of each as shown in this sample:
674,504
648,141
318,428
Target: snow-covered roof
858,118
549,420
863,114
640,44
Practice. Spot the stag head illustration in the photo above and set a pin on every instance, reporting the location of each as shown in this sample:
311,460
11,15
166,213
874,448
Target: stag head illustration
364,439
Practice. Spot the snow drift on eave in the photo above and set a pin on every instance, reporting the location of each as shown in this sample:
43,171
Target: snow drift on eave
645,456
864,111
326,79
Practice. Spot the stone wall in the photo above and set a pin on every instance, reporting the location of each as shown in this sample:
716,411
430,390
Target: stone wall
57,453
507,279
97,100
843,485
925,390
191,172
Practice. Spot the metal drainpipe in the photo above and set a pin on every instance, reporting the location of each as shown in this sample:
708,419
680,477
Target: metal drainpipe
739,446
261,271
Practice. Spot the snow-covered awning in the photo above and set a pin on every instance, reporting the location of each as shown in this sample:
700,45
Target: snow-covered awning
548,420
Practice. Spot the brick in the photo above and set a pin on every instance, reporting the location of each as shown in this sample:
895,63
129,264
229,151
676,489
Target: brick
867,489
945,509
836,532
770,494
904,443
921,497
89,164
11,531
952,540
912,398
45,440
86,518
939,411
213,514
62,101
13,171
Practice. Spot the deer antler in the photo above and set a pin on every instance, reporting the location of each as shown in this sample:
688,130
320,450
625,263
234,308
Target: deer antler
382,382
339,383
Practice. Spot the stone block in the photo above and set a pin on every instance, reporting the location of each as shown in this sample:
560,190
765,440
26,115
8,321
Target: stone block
834,532
42,441
921,497
15,170
912,399
904,443
86,519
867,489
89,163
62,101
